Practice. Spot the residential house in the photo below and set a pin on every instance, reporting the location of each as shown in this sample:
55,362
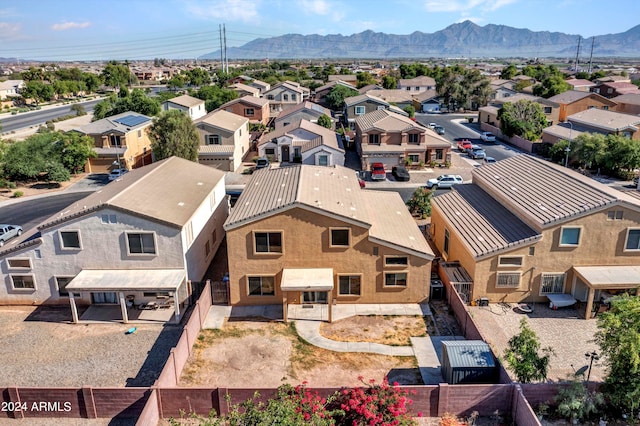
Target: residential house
608,122
285,95
310,234
256,110
628,104
320,94
304,110
355,106
427,101
347,78
398,97
121,141
417,85
580,84
391,139
10,88
502,89
191,106
260,85
612,79
139,239
520,238
224,140
574,101
303,142
611,90
245,90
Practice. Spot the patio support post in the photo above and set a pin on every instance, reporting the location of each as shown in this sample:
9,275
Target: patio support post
123,308
74,308
285,306
589,308
176,305
330,303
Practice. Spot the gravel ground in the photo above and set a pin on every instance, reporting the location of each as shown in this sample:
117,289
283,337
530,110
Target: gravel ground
40,348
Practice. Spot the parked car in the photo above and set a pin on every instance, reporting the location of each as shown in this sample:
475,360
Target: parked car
9,231
262,163
489,160
378,172
432,126
360,180
463,145
117,173
488,137
400,173
477,152
444,181
439,130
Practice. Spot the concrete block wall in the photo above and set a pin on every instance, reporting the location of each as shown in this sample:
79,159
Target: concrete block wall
463,400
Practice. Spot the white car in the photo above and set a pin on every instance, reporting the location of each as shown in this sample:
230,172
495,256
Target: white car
117,173
488,137
432,126
9,231
444,181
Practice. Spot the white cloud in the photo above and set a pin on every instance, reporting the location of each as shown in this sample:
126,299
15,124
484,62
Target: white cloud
10,30
70,26
465,6
228,10
319,7
473,19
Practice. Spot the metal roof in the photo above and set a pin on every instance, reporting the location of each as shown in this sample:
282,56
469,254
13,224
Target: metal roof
186,101
468,353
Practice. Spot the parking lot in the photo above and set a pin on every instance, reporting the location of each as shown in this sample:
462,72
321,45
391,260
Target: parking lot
40,347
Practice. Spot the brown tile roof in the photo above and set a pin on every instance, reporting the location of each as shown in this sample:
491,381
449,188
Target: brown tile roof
386,120
186,101
353,100
245,88
571,96
223,119
417,81
331,191
606,120
310,106
426,95
628,98
168,191
247,100
580,82
117,124
324,136
392,95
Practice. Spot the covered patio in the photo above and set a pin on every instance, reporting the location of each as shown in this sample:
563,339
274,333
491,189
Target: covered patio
119,287
316,285
603,281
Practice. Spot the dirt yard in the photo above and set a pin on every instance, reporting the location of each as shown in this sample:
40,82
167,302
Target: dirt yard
267,354
394,331
36,188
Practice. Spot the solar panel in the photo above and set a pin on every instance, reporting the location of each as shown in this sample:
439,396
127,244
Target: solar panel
131,120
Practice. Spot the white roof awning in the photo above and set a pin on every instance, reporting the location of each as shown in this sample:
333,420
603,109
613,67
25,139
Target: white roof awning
609,277
317,279
127,280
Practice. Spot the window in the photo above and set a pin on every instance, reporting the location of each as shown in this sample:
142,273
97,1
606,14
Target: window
360,110
508,279
61,283
551,283
349,285
395,279
70,239
570,236
323,160
189,232
214,236
414,158
37,253
445,248
605,107
339,237
139,133
381,108
510,261
408,88
22,282
414,138
141,243
285,97
532,251
109,218
396,261
19,263
417,88
293,97
614,215
547,110
374,139
207,248
270,97
268,242
269,151
114,141
249,111
439,154
261,286
213,140
633,240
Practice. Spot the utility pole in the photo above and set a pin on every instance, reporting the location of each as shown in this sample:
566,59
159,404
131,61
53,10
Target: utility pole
577,53
593,40
221,51
226,60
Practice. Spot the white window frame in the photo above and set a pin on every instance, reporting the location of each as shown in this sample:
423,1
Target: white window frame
249,112
319,157
416,135
615,215
371,141
393,265
359,110
406,279
510,265
381,108
553,275
62,246
350,276
108,218
155,243
261,277
13,284
211,140
510,273
339,245
626,241
269,252
55,278
560,244
19,268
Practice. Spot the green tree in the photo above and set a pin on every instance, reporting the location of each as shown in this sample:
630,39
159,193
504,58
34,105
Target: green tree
420,203
173,133
509,72
335,98
523,355
136,101
577,403
618,336
409,109
557,152
117,75
389,82
591,149
74,150
214,96
325,121
365,79
176,82
198,77
35,158
521,84
623,153
551,86
524,118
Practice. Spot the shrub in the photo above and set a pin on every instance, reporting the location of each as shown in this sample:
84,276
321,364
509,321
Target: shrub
18,194
11,185
576,402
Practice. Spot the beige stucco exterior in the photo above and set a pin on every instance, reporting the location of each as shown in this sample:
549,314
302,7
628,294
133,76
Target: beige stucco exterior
306,244
592,101
136,146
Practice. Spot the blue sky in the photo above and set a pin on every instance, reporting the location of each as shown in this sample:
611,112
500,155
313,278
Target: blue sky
139,29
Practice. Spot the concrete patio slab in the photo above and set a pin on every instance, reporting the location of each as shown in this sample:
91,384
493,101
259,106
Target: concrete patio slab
112,313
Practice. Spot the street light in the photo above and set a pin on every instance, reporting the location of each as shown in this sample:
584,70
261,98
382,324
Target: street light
567,150
591,356
111,142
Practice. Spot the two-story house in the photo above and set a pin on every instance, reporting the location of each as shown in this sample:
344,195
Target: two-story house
141,237
417,85
260,85
574,101
303,142
191,106
310,234
391,139
10,88
613,89
355,106
628,104
521,238
245,90
580,84
121,141
398,97
256,110
320,94
303,111
285,95
224,140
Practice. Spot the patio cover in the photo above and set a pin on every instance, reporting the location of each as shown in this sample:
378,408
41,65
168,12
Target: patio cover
609,277
318,279
104,280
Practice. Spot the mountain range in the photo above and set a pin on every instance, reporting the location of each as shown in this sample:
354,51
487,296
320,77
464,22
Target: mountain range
464,39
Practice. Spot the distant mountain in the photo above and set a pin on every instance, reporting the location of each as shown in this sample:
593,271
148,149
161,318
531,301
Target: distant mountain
464,39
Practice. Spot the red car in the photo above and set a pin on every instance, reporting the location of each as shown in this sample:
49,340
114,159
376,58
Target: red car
378,172
463,145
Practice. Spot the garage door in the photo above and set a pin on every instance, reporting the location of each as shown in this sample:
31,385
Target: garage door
101,165
388,162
